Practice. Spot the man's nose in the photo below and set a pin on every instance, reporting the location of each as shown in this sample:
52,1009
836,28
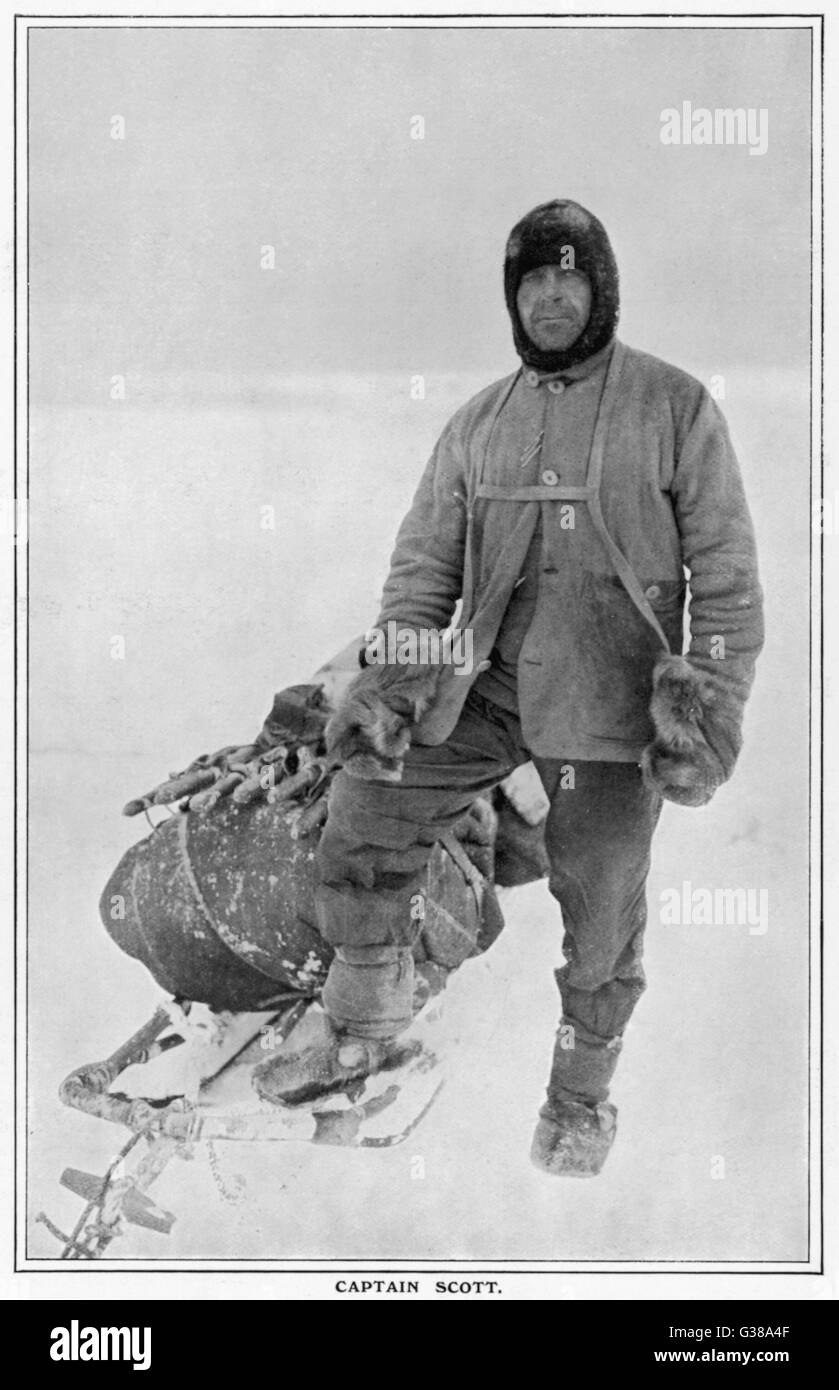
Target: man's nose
556,286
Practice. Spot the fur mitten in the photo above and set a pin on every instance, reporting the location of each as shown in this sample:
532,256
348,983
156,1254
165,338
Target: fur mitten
695,745
370,731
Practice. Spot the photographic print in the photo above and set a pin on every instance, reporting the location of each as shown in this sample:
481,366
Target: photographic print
419,779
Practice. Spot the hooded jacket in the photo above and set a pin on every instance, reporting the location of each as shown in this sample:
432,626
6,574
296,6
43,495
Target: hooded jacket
604,476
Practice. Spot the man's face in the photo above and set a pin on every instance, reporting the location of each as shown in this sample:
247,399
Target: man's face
554,306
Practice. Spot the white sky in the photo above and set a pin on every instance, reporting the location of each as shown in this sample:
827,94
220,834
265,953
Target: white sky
145,252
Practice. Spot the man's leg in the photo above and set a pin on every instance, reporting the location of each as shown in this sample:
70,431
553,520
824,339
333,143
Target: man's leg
371,864
598,838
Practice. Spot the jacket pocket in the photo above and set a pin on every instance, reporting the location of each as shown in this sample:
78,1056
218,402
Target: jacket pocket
621,650
666,597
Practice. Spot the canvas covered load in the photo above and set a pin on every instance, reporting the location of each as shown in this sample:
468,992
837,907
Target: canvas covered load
218,901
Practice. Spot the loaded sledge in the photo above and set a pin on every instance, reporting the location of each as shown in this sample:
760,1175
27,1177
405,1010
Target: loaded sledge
217,902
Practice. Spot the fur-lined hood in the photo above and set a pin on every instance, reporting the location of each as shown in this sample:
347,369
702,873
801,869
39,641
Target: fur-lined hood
543,238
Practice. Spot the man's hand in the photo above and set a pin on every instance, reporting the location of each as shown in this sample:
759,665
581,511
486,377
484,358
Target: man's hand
681,764
370,731
687,781
367,737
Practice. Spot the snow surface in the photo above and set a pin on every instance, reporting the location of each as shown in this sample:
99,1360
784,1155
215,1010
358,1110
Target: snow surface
146,523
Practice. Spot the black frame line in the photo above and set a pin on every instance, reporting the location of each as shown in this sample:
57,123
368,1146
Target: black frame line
278,1266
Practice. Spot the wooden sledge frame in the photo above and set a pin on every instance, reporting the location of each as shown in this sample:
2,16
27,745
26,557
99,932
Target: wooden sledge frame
171,1127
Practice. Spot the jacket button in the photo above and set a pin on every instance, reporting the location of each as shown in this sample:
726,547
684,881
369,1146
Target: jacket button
653,592
549,478
532,378
557,387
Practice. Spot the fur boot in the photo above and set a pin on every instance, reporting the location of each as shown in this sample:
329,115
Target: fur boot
575,1139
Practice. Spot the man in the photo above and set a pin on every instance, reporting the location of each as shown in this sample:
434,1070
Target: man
562,505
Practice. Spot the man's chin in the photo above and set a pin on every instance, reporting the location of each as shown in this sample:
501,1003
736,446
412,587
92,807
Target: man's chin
558,340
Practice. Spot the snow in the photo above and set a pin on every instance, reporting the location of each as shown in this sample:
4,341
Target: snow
147,522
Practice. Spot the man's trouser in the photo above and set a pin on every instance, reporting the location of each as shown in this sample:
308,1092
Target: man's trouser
371,864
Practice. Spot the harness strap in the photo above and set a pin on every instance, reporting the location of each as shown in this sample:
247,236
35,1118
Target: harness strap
624,570
590,494
535,493
473,875
625,573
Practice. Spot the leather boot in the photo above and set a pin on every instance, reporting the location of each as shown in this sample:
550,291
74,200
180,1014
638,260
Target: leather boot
323,1060
367,1000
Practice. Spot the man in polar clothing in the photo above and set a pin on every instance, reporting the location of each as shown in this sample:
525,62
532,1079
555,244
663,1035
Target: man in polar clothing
563,506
